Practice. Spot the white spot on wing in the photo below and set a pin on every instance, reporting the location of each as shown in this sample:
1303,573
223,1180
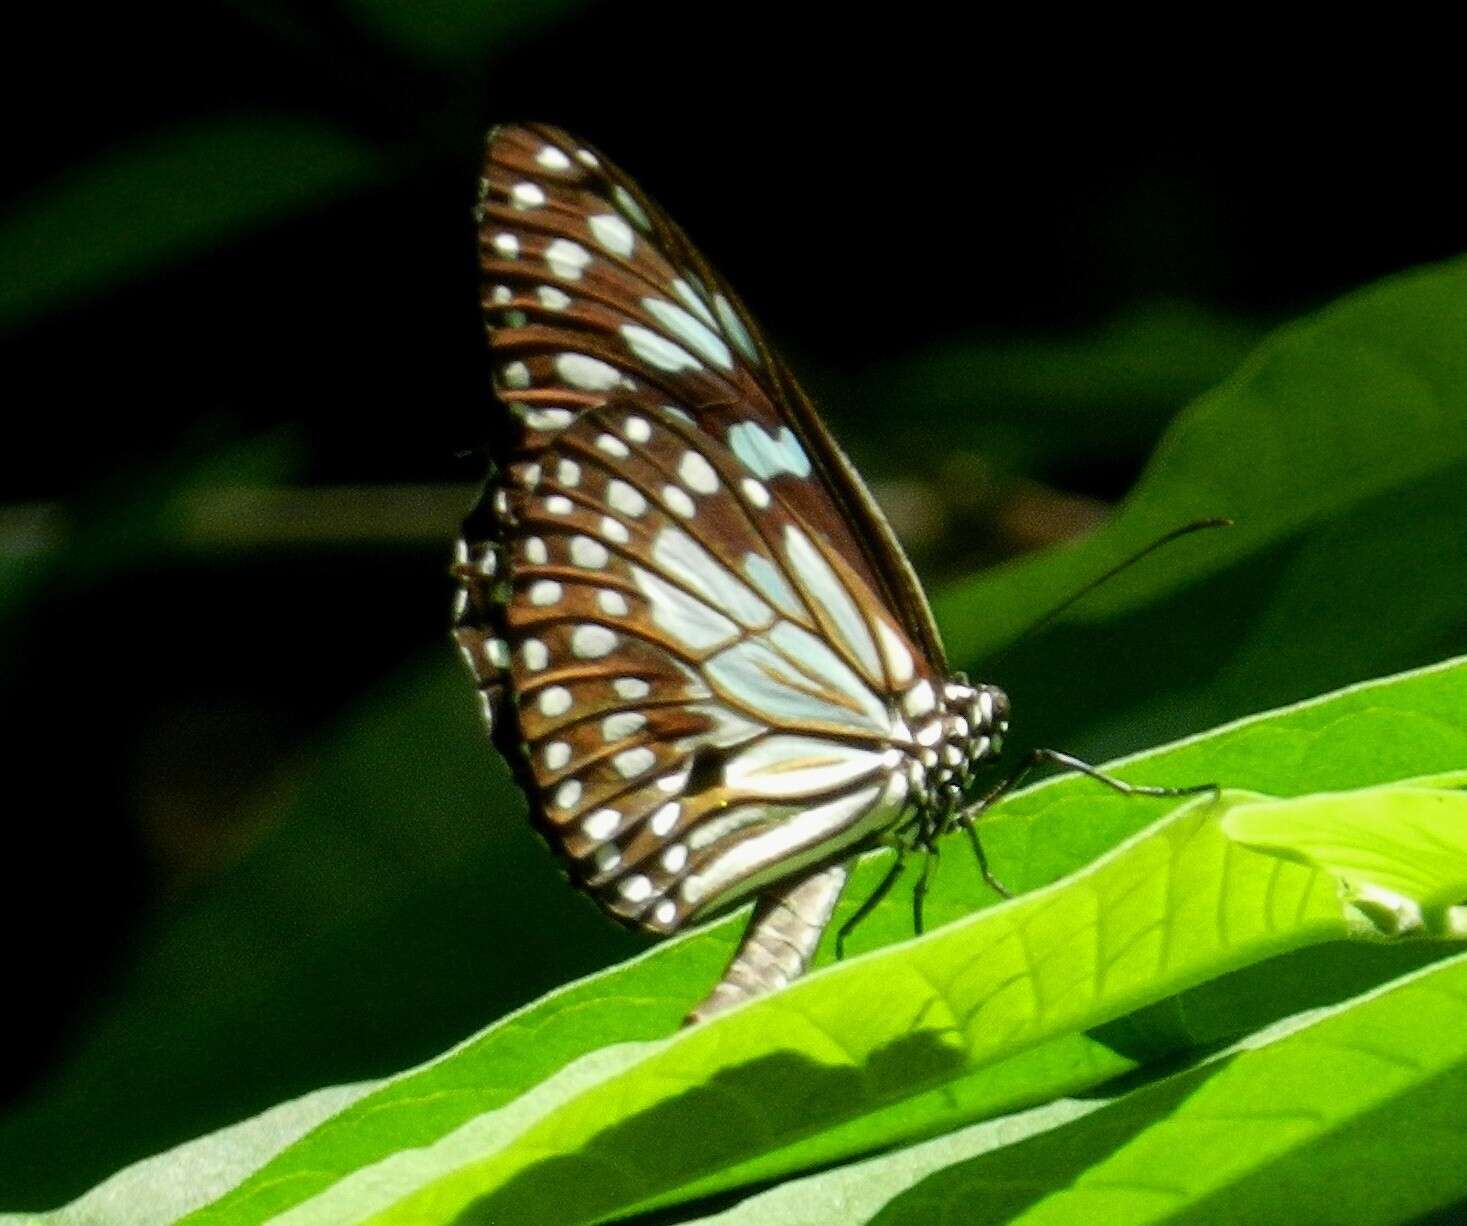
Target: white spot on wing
766,455
733,328
548,419
821,582
630,763
919,700
592,642
625,498
589,553
755,492
657,350
614,530
665,818
556,755
527,195
544,592
612,603
602,824
612,445
627,203
507,245
554,700
691,298
536,655
675,782
585,372
568,794
678,501
635,888
552,158
622,724
552,298
691,331
631,687
568,472
697,474
566,259
899,665
613,233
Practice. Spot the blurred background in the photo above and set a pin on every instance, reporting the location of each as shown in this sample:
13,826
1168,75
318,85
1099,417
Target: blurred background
254,841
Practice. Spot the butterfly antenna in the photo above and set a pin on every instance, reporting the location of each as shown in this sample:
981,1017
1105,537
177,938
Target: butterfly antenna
1166,538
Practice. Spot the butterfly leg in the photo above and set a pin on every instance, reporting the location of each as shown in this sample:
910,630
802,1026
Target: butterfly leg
1054,757
981,856
931,861
871,902
1120,785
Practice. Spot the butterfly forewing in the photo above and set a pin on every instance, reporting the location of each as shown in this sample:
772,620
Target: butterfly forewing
591,290
695,637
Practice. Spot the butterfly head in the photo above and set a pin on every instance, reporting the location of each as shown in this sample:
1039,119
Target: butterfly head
966,729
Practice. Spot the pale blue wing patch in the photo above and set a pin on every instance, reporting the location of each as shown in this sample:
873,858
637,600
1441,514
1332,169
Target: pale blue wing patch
767,455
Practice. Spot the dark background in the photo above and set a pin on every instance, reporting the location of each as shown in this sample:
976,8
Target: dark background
254,843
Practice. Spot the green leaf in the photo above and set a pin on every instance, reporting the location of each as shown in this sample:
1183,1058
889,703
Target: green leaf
1401,851
1355,1110
1178,904
165,1187
174,194
1366,398
900,1047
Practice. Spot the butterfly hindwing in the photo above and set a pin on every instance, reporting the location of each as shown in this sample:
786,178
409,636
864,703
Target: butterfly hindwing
703,694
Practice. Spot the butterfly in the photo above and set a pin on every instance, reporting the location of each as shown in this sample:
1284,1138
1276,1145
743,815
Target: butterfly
695,637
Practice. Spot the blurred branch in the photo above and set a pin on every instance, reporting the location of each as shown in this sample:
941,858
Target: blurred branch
253,517
1022,515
